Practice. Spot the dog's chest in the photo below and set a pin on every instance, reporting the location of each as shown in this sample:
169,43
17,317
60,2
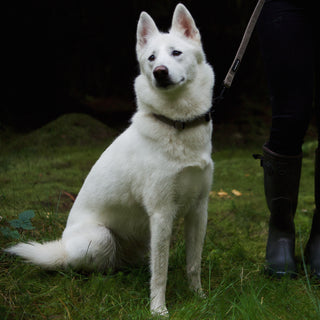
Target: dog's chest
191,185
187,149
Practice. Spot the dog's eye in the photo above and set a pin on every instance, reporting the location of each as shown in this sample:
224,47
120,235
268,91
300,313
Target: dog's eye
176,53
152,57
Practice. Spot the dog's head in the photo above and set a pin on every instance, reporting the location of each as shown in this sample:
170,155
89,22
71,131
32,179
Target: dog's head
169,60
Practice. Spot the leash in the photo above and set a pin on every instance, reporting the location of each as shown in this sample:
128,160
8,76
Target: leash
227,82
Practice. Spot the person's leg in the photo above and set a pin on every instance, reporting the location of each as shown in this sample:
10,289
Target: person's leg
286,44
287,48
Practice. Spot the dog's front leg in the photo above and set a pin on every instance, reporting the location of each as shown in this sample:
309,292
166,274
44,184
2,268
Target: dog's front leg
161,230
195,230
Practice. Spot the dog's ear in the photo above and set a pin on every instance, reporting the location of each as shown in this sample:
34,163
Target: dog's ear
183,23
145,30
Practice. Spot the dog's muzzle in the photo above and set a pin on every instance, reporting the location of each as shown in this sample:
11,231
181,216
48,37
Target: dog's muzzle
161,74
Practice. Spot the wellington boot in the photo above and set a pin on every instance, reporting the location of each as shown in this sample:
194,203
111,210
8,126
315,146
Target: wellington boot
281,184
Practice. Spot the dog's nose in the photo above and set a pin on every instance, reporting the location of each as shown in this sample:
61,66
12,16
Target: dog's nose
161,73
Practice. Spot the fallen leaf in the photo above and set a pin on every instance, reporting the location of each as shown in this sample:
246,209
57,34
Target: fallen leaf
222,194
236,193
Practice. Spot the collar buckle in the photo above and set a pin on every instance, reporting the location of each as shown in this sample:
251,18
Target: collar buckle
179,125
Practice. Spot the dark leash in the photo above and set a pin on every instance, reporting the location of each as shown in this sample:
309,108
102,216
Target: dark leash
208,116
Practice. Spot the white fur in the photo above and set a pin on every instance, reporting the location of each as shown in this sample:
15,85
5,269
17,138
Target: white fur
151,173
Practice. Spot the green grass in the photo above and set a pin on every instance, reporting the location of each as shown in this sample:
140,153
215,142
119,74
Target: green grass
42,171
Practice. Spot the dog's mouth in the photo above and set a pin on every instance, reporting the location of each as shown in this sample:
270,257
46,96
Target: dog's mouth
168,83
164,84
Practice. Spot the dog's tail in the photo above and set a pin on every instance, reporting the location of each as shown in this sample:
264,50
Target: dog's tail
93,249
50,255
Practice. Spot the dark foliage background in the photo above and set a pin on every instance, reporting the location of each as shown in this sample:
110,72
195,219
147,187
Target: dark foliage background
67,56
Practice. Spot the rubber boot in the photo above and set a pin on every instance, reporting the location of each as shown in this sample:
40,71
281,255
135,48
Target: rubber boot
281,185
313,246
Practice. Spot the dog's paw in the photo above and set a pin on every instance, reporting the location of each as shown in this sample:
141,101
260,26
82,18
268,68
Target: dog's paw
161,311
201,294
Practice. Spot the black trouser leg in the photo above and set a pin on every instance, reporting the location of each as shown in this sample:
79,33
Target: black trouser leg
287,47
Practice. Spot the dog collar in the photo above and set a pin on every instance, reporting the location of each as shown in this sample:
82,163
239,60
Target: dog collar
181,125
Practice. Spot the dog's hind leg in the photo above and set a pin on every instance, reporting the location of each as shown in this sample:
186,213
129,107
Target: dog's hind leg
195,230
90,247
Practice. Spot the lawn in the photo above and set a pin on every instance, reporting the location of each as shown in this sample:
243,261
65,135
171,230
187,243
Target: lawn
41,172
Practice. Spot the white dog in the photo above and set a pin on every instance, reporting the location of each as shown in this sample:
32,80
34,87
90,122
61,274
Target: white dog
157,169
